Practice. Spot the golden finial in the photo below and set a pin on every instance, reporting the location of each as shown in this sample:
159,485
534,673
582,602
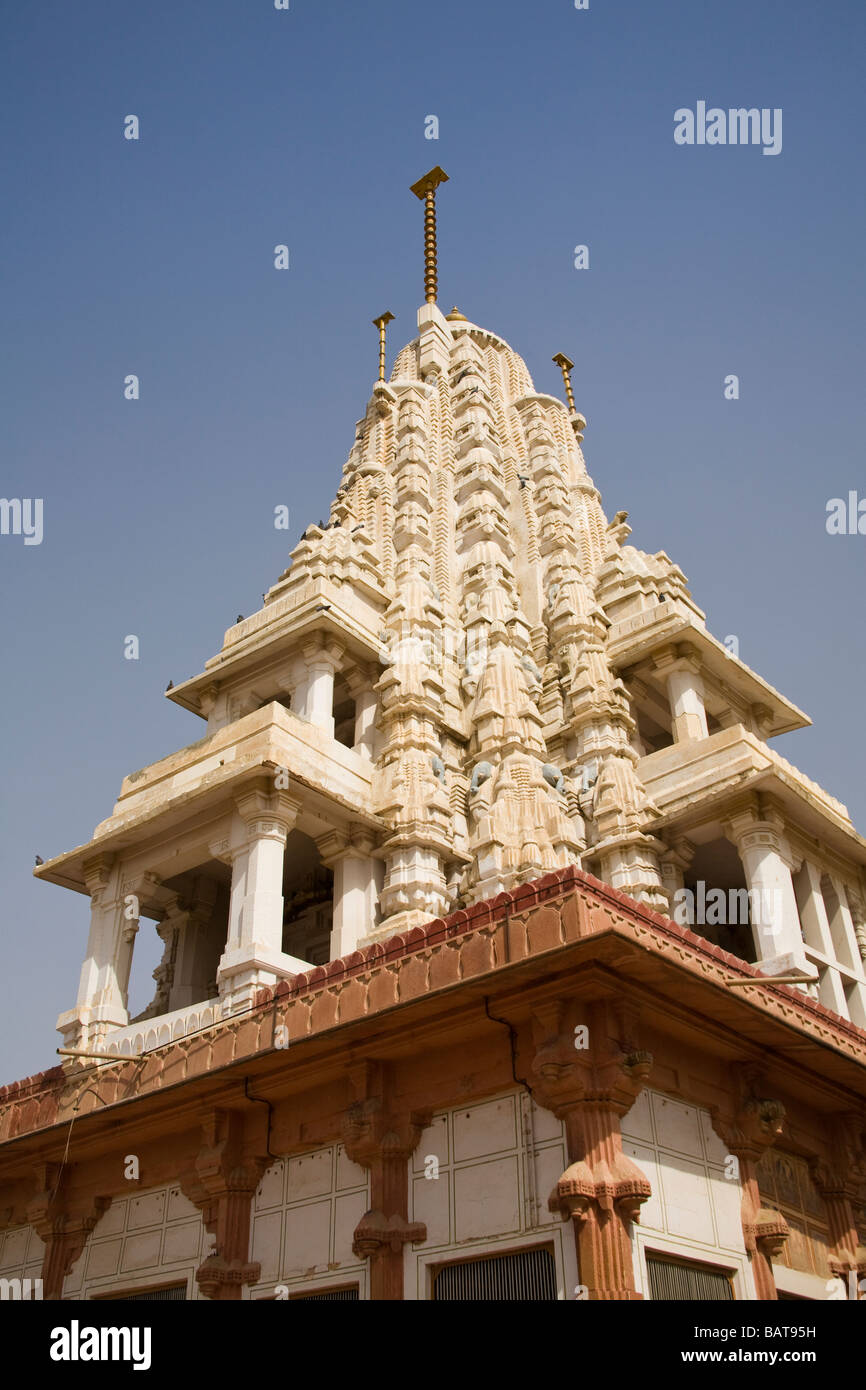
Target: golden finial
456,317
566,364
382,323
426,189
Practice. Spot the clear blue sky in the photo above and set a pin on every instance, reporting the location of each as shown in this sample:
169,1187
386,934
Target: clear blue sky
307,127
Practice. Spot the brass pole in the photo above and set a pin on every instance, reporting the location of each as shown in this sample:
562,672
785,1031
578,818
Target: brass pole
425,189
566,365
382,323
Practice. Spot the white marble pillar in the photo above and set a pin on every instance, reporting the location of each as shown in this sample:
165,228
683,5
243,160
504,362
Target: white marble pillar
767,863
355,902
101,1002
323,661
686,694
366,708
357,881
254,956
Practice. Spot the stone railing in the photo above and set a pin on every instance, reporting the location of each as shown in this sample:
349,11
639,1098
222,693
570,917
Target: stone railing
150,1033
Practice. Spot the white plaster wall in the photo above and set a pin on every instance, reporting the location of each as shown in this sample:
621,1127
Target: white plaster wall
304,1217
498,1162
21,1253
149,1238
694,1211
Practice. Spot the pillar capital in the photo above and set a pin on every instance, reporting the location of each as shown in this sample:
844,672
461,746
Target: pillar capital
681,656
360,677
351,842
323,652
97,873
268,814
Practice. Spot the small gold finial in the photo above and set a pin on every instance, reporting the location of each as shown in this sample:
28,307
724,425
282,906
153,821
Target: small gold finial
382,323
566,364
425,189
456,317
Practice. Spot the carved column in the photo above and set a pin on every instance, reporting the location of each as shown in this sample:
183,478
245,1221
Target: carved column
588,1071
754,1129
382,1139
361,680
356,897
63,1227
223,1184
840,1183
323,658
254,956
757,830
681,669
101,1004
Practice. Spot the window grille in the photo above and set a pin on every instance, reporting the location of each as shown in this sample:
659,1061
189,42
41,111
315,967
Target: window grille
349,1295
527,1275
681,1279
169,1292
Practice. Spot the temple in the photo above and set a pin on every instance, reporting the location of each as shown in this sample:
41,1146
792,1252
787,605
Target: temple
501,951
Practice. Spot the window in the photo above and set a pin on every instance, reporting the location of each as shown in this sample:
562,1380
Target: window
526,1276
685,1279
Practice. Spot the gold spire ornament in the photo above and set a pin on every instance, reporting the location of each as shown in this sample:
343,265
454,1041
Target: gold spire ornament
566,364
382,323
425,189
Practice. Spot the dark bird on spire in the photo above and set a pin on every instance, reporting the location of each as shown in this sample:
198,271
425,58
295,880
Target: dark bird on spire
323,608
170,686
239,618
522,480
39,859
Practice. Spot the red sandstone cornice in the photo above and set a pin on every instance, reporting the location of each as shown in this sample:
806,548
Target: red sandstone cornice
523,899
40,1098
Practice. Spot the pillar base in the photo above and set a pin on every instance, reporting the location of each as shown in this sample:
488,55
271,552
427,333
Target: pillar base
243,972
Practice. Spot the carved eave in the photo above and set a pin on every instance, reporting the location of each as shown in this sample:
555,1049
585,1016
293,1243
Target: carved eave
333,782
633,643
265,636
693,783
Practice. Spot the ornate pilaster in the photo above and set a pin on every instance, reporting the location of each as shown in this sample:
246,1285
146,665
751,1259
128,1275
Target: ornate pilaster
754,1128
382,1138
588,1071
842,1184
63,1224
222,1184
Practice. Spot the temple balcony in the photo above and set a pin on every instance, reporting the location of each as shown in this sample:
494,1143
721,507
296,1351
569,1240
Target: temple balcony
253,851
709,769
206,769
654,650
